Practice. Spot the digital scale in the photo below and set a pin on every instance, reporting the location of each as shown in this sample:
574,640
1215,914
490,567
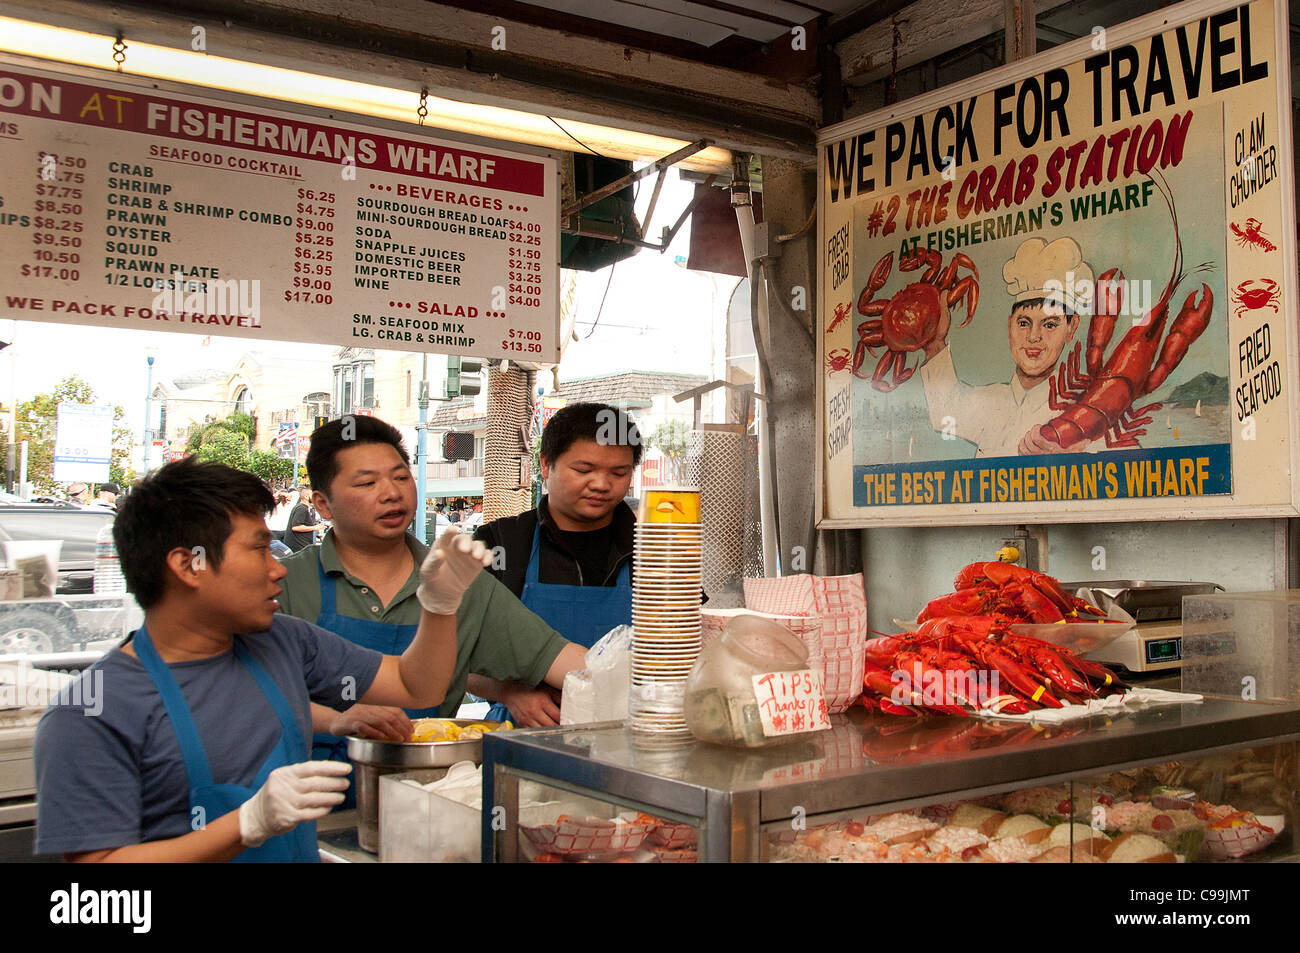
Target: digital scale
1155,644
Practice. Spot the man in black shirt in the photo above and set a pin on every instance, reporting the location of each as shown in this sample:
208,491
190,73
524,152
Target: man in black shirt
570,560
301,531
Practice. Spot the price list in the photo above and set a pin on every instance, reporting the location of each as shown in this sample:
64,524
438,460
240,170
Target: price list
313,248
127,207
57,224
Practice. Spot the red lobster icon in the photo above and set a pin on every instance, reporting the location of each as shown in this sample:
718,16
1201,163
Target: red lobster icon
1255,293
1251,235
841,312
1101,402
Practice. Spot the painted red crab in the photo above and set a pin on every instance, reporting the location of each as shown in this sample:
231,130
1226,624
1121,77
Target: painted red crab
1256,293
909,320
837,359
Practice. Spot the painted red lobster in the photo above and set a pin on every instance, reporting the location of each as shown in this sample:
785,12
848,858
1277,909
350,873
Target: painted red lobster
1252,235
909,320
1100,402
945,667
1009,593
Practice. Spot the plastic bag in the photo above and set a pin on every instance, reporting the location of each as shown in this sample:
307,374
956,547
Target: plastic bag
578,699
610,663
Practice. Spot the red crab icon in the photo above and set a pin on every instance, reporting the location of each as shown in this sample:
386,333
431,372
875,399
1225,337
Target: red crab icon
1256,293
838,360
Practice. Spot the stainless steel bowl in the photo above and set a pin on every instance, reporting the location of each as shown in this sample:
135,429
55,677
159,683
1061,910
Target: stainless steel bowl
374,759
1145,600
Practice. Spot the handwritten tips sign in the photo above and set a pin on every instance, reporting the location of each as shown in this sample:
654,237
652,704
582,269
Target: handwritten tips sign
1057,292
790,702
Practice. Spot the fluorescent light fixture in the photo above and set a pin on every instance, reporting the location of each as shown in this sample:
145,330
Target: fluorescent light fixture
273,82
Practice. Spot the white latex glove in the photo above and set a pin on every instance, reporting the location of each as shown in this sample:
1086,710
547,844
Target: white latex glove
452,564
292,794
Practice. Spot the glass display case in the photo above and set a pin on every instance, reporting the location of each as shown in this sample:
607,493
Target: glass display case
1214,780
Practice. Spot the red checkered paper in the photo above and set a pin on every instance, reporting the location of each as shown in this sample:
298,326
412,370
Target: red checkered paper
840,602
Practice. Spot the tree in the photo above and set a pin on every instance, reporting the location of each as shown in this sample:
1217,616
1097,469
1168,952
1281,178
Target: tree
230,441
670,439
37,421
221,445
271,467
242,423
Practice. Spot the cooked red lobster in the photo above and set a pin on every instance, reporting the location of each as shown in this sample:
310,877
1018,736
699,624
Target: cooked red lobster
956,665
1101,402
1009,593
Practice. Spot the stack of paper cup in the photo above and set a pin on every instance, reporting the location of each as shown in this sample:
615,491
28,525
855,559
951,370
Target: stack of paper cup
665,609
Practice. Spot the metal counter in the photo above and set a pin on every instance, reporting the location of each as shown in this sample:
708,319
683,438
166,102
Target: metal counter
336,837
864,761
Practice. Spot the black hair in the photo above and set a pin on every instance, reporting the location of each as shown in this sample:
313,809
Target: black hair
599,423
331,439
1039,302
187,504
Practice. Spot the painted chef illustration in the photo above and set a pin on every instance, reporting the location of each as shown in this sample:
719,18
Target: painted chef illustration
1051,288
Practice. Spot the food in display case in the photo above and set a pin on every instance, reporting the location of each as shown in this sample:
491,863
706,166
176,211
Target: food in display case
877,789
630,837
1121,817
1234,834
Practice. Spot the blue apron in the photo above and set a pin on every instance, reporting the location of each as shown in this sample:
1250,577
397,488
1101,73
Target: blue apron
582,614
385,637
215,800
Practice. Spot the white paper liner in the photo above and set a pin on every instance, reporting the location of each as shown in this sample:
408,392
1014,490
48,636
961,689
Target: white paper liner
1132,700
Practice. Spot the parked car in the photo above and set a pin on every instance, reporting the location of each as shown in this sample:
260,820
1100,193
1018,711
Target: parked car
55,625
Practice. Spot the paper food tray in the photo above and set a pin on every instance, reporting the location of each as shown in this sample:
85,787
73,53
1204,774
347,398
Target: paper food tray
673,836
1235,842
588,835
666,855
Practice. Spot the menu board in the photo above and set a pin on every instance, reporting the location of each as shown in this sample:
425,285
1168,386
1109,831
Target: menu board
83,442
1065,290
124,206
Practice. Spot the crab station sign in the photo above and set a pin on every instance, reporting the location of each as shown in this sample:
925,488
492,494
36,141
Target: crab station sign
1058,292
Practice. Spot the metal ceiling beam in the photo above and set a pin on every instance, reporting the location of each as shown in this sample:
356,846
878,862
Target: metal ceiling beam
619,184
694,109
931,31
866,16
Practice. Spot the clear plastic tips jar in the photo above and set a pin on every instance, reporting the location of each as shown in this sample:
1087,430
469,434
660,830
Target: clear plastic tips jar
752,686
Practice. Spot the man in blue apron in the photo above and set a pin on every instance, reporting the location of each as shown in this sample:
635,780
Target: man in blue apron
569,560
362,582
189,741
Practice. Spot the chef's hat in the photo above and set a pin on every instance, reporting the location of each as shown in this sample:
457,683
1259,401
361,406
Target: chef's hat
1055,271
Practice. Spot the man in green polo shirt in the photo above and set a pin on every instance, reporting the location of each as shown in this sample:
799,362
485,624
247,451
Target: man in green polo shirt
363,581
